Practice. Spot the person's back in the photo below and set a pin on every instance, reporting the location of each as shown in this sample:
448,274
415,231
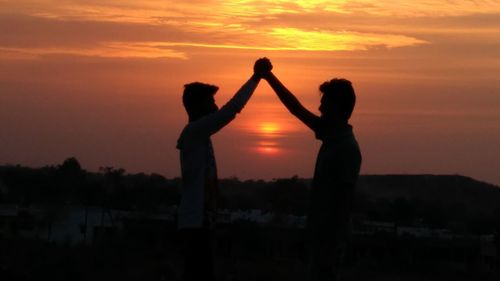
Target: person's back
328,222
339,158
197,209
336,172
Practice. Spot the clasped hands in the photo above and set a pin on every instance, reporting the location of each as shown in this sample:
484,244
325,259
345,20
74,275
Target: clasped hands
262,68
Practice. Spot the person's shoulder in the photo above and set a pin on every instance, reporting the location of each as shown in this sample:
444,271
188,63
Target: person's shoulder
190,136
191,128
184,136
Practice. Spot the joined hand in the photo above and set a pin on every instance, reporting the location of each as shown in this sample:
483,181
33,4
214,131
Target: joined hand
262,67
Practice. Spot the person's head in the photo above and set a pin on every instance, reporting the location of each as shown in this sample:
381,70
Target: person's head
198,99
338,99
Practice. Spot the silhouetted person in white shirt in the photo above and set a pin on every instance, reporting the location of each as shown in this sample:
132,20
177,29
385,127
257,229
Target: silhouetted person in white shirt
336,173
197,210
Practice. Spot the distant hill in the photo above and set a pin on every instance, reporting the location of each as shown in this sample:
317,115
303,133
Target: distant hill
451,201
450,189
406,199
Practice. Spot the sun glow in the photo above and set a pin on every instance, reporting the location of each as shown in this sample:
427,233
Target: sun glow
268,147
268,150
268,132
268,128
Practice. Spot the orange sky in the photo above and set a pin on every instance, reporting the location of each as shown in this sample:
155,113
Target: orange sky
102,81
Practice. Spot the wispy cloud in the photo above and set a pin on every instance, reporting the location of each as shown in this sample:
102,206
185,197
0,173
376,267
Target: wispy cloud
108,50
292,39
149,11
138,29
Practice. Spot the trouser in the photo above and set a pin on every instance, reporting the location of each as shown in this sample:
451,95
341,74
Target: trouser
328,228
198,260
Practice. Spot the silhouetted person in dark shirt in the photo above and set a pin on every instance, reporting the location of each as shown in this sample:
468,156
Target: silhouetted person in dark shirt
197,210
336,173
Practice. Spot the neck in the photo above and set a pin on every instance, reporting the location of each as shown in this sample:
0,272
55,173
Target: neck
194,118
336,122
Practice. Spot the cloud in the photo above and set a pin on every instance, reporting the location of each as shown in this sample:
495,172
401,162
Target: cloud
397,8
320,40
159,28
108,50
35,36
32,31
148,11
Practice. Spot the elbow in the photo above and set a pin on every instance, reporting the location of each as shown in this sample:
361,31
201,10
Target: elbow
294,111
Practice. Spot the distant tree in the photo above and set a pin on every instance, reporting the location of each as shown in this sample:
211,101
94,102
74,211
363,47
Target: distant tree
250,194
70,166
289,196
112,172
113,178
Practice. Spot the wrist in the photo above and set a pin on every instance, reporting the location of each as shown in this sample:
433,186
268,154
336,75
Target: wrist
268,75
255,77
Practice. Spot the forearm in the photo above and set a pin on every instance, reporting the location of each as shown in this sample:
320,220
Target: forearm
291,102
286,97
256,78
238,101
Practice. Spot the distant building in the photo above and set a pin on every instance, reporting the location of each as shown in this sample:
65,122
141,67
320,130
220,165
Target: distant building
419,232
261,217
8,214
367,227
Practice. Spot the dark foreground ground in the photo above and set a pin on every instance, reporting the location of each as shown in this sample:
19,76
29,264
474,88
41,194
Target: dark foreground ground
36,260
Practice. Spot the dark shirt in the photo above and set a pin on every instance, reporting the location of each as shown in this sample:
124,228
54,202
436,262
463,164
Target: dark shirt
339,158
337,169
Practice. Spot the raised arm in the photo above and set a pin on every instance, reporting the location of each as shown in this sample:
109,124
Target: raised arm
291,102
212,123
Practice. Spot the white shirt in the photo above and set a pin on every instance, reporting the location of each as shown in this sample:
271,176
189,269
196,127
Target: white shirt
198,165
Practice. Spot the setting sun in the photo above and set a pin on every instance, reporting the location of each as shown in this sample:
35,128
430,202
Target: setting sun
269,128
267,133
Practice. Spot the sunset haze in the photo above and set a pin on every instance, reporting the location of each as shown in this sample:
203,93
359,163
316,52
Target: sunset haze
102,81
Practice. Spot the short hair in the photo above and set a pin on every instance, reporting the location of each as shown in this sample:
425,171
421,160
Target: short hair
196,92
339,92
